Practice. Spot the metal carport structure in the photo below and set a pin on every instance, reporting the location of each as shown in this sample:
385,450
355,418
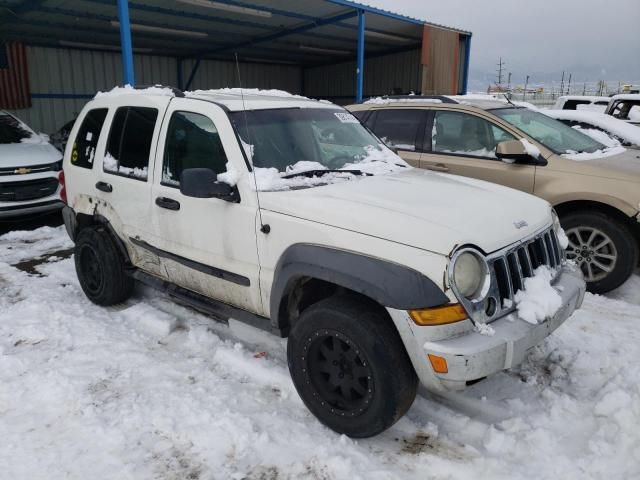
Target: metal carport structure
325,39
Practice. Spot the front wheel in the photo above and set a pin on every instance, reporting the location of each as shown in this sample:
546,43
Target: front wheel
603,248
350,366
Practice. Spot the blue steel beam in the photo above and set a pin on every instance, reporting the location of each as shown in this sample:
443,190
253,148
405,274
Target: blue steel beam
267,38
360,57
467,56
377,11
287,31
125,43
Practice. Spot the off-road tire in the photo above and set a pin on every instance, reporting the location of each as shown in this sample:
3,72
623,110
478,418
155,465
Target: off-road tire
622,238
101,267
371,356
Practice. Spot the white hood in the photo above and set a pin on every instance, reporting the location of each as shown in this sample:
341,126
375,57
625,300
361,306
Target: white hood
419,208
28,154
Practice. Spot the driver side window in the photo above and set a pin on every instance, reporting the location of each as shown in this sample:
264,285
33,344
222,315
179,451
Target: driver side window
458,133
192,142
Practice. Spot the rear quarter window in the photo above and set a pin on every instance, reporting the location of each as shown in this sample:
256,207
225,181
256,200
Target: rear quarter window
84,147
129,144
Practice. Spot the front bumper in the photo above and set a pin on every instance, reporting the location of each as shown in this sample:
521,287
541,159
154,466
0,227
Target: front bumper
472,356
30,208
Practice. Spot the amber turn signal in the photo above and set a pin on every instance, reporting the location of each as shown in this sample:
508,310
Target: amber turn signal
439,364
451,313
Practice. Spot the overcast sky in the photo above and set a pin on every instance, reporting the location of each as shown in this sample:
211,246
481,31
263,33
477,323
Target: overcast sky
595,40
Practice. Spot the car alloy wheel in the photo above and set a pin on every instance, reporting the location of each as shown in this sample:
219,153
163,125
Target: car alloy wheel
593,251
339,372
91,268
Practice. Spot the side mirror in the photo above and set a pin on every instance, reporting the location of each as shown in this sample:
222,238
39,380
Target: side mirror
513,151
202,183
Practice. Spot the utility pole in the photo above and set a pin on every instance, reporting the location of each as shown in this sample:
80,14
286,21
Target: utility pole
509,82
562,84
500,68
569,85
524,92
584,89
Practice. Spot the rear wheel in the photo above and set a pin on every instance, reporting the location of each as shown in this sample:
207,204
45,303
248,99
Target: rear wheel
101,268
603,248
350,366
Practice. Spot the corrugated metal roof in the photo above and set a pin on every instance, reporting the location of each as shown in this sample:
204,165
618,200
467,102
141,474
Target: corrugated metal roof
304,33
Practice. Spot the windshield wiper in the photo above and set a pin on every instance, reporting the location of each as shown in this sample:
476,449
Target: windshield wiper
317,173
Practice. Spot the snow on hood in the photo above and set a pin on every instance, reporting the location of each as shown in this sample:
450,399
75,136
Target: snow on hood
624,130
598,154
378,161
420,208
28,154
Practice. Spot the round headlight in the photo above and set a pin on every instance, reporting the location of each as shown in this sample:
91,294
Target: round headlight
470,275
556,220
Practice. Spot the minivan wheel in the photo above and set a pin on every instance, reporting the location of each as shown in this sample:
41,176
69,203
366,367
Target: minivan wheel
101,268
350,366
603,248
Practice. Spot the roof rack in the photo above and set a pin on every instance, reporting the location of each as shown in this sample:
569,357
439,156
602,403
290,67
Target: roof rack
176,91
442,98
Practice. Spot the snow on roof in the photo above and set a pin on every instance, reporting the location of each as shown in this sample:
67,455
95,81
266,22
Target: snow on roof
233,98
626,96
591,98
129,90
385,101
237,99
244,92
623,130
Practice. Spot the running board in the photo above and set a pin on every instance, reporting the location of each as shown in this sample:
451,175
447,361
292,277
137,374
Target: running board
219,311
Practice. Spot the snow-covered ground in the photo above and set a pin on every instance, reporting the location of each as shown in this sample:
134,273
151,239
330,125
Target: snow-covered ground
152,390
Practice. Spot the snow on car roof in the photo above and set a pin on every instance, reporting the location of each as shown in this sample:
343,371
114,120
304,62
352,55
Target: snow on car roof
619,128
626,96
129,90
591,98
388,100
234,99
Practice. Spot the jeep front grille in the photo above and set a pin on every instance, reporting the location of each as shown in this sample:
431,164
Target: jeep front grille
509,268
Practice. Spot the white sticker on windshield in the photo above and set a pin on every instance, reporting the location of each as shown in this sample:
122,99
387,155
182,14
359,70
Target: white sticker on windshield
345,117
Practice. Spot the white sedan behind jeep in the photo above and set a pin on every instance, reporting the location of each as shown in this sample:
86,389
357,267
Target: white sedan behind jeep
29,169
287,214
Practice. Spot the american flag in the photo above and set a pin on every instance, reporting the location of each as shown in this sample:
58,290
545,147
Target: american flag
14,76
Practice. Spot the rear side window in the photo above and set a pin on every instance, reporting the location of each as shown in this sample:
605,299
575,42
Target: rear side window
84,146
193,141
129,145
399,128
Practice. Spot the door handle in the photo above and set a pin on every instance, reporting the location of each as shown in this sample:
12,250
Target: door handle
104,187
168,203
437,167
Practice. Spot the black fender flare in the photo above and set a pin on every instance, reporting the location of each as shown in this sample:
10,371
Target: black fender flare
389,284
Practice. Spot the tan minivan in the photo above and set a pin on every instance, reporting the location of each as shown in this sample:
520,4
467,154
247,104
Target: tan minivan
594,189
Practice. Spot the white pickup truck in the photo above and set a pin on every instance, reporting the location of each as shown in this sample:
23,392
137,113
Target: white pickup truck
287,214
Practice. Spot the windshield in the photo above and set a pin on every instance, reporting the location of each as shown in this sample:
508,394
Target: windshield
288,141
12,130
554,135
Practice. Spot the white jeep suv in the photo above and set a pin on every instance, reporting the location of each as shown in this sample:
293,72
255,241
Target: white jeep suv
287,214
